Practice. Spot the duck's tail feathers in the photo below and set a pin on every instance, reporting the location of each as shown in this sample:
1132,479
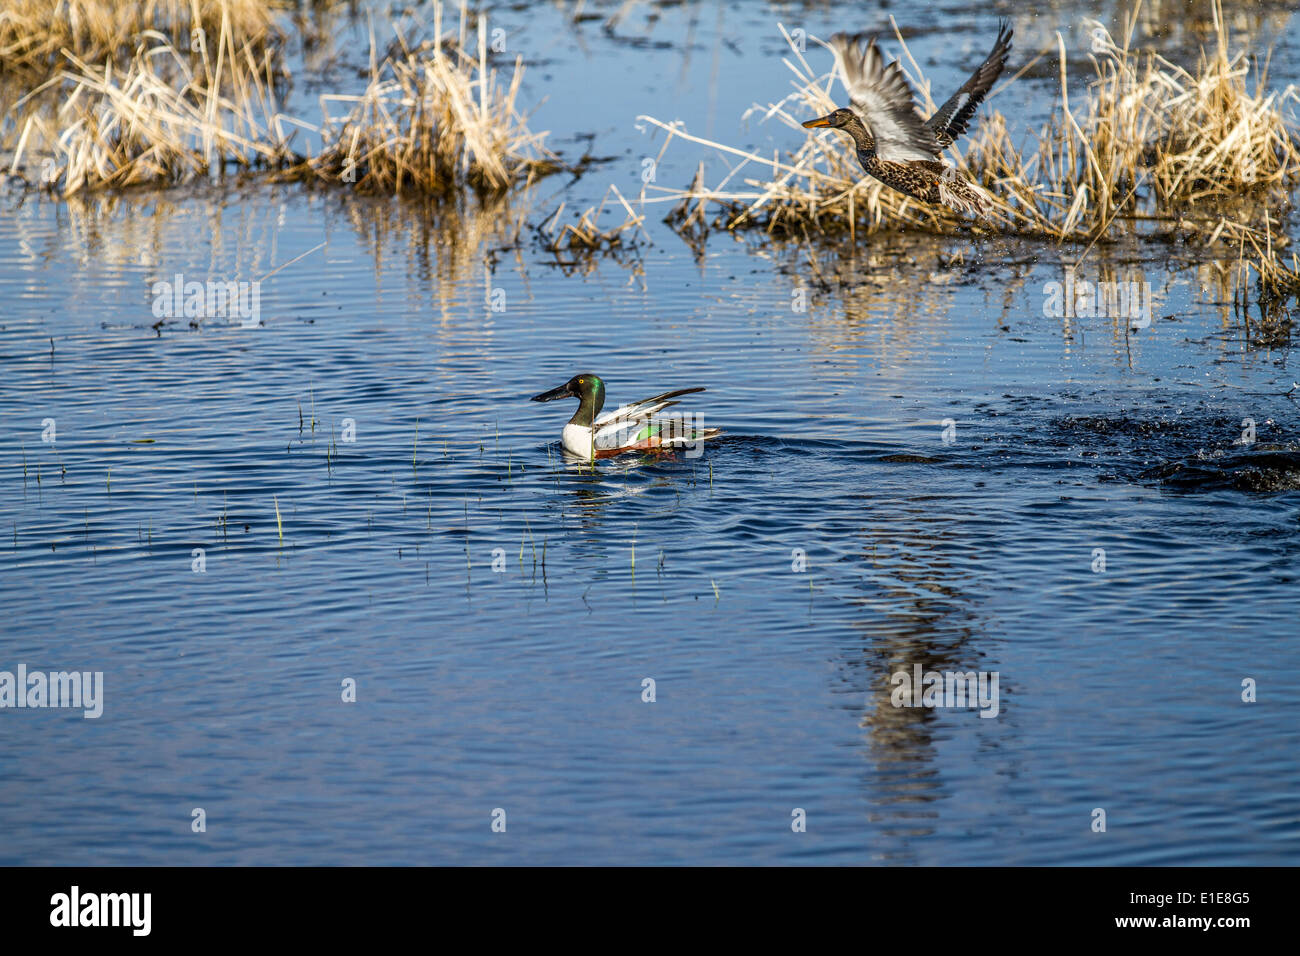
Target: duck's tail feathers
704,434
966,197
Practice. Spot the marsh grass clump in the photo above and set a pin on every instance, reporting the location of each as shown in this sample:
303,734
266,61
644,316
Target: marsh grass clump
1151,147
434,118
35,34
164,118
1276,294
587,235
1152,144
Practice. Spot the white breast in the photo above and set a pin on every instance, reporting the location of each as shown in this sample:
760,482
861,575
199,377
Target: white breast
577,439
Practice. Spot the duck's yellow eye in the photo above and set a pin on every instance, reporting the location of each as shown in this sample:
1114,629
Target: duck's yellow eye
582,381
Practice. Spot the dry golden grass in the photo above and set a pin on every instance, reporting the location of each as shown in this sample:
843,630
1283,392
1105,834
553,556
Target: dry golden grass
166,117
434,118
1151,146
1277,282
34,33
587,234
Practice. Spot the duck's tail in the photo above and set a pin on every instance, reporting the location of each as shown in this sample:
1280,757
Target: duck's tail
965,197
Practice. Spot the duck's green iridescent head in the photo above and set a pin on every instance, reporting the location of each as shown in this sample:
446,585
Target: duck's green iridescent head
588,389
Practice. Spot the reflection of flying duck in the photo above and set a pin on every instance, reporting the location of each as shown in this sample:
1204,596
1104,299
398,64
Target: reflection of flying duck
893,143
634,427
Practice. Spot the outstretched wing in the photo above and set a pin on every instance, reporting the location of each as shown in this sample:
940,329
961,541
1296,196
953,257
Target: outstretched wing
882,98
951,119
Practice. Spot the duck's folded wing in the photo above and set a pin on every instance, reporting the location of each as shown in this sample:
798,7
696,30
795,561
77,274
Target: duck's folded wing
668,431
644,408
951,119
883,100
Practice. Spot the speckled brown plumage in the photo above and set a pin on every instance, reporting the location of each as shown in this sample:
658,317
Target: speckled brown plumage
894,144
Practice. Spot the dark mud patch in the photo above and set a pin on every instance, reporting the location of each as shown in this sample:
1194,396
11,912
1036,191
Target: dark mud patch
1191,450
1172,443
1270,468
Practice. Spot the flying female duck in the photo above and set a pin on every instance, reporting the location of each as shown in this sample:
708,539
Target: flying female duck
893,143
629,427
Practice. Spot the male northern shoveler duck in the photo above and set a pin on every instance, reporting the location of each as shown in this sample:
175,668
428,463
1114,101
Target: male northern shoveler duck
894,144
632,427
